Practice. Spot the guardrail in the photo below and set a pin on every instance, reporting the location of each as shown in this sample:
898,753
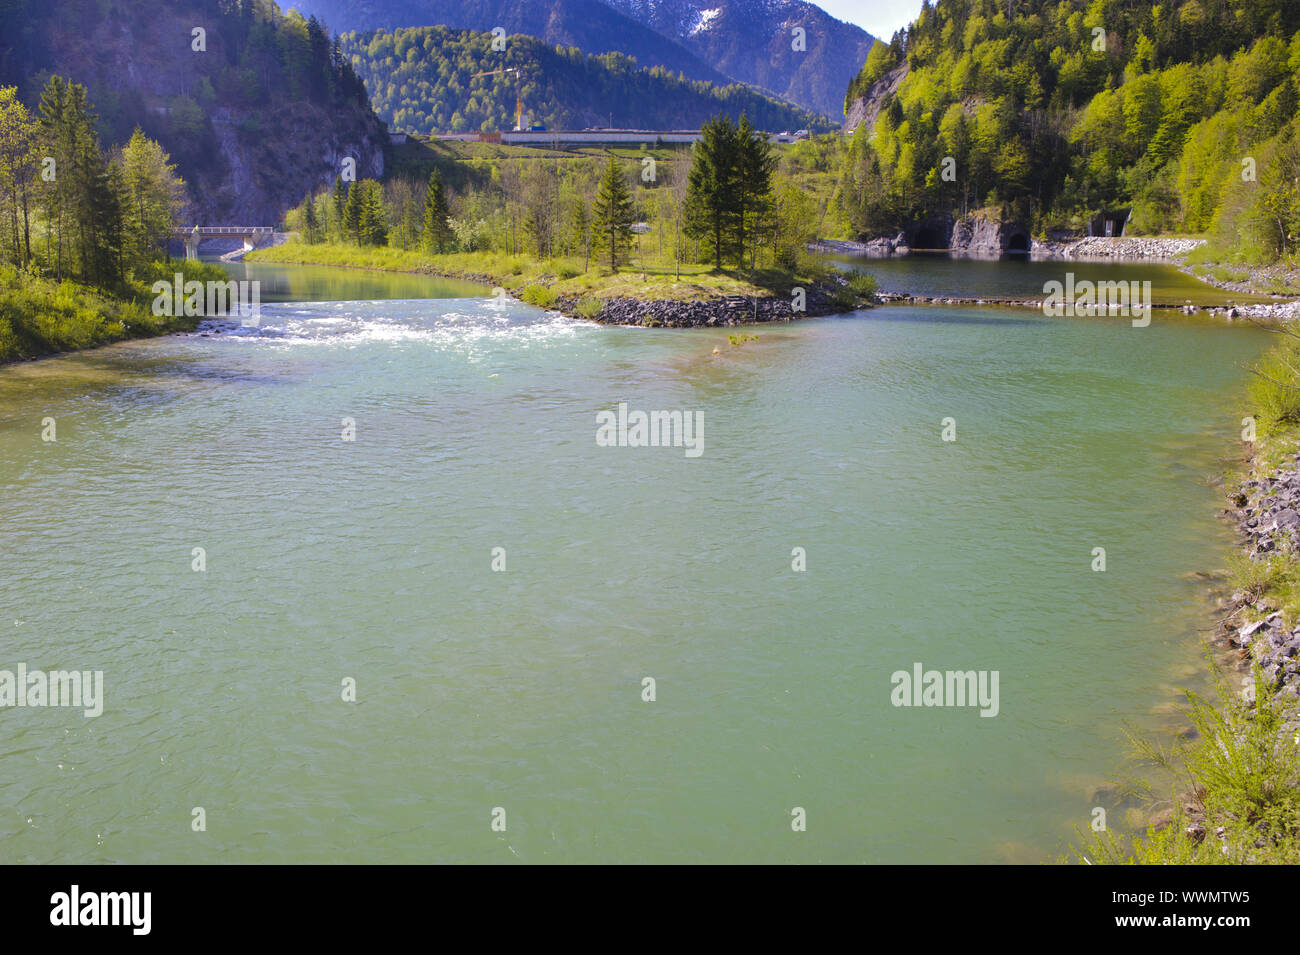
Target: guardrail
224,230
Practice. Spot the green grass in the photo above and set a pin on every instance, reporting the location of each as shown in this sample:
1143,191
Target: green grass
1236,786
40,316
588,307
1275,387
863,284
539,295
563,277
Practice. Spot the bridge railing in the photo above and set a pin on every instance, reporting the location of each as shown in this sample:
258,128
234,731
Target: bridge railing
224,230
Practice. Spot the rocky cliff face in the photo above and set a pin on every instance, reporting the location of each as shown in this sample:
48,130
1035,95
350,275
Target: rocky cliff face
978,237
975,236
864,110
297,148
248,146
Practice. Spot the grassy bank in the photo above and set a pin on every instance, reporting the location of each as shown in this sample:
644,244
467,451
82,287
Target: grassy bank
1235,795
543,282
1234,270
40,316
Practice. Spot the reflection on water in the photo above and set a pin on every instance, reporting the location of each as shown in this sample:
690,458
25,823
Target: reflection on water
318,283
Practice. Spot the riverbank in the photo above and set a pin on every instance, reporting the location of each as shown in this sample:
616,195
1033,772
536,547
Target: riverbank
40,316
696,297
1269,312
1265,282
1275,279
1237,799
1088,248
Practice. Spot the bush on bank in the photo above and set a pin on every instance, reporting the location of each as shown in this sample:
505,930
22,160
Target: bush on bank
40,316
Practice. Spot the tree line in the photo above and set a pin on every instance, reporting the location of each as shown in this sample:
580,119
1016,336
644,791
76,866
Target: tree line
255,60
424,79
723,202
1051,110
72,208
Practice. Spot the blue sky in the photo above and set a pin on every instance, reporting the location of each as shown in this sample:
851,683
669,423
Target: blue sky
880,18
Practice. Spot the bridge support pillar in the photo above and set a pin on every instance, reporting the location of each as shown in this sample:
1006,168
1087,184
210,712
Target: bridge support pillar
192,244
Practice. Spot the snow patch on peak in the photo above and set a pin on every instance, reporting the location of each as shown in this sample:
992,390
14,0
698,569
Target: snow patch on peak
704,19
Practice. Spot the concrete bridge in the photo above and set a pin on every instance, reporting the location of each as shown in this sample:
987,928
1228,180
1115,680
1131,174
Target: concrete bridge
252,236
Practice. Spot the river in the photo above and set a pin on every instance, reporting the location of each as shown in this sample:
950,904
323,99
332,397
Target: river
326,561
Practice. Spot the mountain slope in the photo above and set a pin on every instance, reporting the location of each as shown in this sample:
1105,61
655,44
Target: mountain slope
1055,113
254,121
590,25
751,41
422,80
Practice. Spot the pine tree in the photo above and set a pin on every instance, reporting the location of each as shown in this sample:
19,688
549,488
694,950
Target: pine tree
352,212
713,190
81,200
372,222
311,224
580,232
611,216
57,151
437,233
340,199
754,168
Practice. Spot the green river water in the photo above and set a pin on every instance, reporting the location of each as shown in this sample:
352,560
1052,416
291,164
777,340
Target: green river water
372,560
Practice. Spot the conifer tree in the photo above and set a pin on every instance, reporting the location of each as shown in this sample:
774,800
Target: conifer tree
611,216
340,199
352,212
372,222
712,197
311,224
437,233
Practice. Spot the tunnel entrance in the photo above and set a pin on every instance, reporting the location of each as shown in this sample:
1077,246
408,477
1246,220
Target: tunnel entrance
930,237
1017,244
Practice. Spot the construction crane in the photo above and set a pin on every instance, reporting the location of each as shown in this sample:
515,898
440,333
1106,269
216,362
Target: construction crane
519,102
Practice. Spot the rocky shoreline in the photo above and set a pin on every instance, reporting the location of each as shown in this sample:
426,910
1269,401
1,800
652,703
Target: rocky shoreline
1282,311
1128,248
1260,280
1266,512
727,311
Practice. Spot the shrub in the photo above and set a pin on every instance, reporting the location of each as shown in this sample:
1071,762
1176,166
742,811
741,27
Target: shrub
863,284
1239,769
539,295
589,307
1275,389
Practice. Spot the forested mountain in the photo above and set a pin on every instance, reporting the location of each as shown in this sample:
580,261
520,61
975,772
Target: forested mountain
752,41
256,109
589,25
422,79
714,40
1184,111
